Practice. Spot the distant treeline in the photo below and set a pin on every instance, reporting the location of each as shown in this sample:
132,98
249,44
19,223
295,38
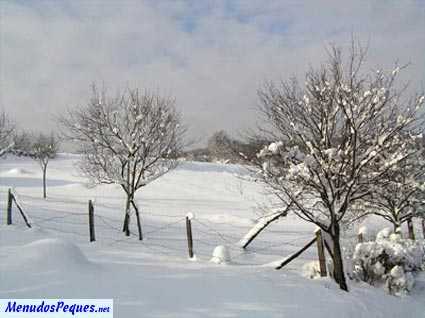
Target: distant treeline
223,148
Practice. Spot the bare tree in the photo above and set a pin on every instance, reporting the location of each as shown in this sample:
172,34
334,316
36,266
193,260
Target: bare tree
327,135
130,140
6,133
43,149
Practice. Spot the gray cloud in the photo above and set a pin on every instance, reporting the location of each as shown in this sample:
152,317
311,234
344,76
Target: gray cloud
210,55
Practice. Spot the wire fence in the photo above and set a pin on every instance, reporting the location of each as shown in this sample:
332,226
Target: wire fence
163,234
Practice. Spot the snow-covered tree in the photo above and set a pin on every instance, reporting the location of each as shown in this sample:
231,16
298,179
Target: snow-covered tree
328,132
220,146
218,140
22,143
43,149
400,194
6,134
129,140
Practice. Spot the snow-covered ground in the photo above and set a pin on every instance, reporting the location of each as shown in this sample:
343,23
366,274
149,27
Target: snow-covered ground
155,278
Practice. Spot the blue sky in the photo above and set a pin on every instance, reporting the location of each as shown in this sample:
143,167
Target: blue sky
211,55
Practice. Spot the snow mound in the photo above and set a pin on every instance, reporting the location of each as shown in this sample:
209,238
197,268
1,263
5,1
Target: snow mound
190,216
221,255
18,171
229,219
209,167
311,270
384,234
52,254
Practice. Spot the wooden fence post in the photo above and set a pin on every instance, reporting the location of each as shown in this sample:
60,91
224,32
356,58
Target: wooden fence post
362,234
321,253
411,229
423,227
189,234
9,207
91,221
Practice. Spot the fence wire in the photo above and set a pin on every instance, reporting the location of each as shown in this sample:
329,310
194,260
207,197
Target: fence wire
163,234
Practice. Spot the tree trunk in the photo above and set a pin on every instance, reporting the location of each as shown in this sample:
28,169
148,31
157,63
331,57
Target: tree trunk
397,226
44,182
126,226
139,224
339,274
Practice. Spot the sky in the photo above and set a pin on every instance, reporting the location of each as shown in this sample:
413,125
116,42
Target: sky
212,56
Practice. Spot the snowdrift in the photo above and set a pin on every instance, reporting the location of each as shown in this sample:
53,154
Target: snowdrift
52,254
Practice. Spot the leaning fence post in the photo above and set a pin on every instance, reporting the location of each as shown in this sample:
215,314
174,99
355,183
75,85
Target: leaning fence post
21,211
291,257
321,252
91,221
9,207
189,216
410,228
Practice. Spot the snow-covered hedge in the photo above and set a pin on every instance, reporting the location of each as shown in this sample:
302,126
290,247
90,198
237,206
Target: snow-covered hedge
390,261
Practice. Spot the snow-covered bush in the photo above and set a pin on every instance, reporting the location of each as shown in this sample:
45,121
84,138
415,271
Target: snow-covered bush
399,281
389,261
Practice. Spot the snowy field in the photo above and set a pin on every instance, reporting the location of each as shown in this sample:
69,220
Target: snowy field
155,278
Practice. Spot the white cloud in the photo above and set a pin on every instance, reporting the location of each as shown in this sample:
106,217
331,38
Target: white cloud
211,56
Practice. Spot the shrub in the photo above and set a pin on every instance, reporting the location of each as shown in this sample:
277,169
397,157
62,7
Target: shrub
390,261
